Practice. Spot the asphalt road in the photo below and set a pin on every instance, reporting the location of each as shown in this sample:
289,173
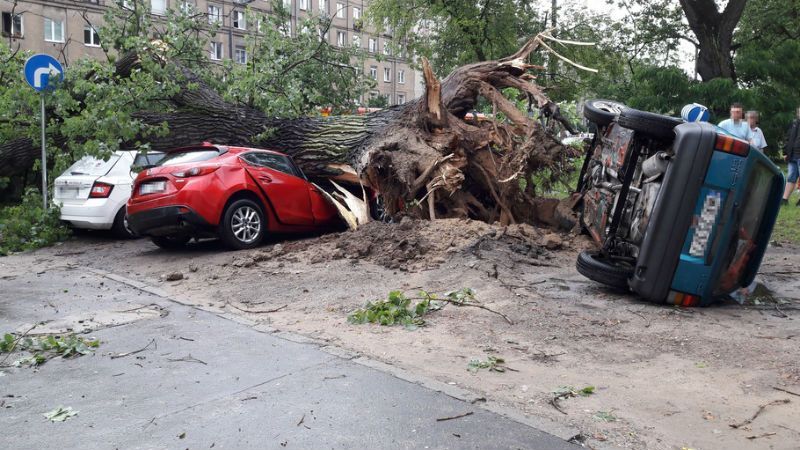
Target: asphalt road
200,380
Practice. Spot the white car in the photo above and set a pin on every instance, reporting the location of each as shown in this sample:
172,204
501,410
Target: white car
92,193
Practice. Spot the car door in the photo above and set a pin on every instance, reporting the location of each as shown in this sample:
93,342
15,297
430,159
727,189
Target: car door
288,193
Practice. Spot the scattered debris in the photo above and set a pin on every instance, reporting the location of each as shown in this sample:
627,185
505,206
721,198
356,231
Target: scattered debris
256,311
396,311
493,363
174,276
552,241
122,355
564,392
785,390
46,347
187,358
60,414
182,435
442,419
760,410
761,436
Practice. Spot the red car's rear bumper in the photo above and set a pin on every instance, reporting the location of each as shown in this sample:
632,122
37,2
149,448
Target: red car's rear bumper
168,220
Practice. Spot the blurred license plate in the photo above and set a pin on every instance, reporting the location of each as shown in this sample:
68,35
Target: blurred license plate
152,187
68,192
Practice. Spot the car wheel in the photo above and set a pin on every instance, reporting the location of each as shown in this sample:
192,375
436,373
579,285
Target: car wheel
120,227
602,112
243,225
170,242
650,124
598,268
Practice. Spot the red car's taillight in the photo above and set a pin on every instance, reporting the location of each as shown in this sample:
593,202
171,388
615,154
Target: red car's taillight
101,190
195,171
730,144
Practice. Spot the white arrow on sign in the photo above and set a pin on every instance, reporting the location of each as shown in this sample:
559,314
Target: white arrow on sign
42,72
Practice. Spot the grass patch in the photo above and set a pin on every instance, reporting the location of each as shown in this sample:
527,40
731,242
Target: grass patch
787,227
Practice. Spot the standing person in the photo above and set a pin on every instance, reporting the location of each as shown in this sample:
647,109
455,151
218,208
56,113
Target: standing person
758,140
735,125
791,152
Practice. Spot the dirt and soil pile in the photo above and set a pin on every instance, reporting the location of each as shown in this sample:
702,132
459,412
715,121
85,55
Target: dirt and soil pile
416,245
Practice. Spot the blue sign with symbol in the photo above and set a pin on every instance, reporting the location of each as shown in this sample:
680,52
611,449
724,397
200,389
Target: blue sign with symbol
40,69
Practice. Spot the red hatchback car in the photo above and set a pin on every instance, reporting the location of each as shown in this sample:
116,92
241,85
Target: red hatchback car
238,194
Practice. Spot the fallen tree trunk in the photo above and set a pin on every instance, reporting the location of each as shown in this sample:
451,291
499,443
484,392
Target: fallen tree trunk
425,157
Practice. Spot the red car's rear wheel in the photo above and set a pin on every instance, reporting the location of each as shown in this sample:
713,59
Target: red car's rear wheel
243,225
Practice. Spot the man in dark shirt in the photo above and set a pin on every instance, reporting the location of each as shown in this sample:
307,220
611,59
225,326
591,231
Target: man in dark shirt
791,152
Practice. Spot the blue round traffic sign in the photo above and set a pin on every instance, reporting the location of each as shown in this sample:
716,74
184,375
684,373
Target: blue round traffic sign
40,69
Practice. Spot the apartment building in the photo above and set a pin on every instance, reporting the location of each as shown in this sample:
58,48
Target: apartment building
65,29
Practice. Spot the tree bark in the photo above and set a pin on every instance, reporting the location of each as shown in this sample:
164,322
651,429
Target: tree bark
714,31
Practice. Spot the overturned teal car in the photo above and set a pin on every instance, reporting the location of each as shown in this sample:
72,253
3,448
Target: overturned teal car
681,212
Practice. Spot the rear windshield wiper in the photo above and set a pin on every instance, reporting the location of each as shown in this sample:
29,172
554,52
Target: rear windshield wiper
78,173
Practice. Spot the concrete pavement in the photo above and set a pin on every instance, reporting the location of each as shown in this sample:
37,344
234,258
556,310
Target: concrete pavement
203,381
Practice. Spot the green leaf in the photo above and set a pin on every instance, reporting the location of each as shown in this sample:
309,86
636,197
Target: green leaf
60,414
587,391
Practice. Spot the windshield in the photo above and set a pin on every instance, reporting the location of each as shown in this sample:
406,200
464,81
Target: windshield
89,165
749,220
190,156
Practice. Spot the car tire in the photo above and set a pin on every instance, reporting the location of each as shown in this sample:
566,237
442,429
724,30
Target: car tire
120,227
654,125
171,242
595,267
602,112
238,222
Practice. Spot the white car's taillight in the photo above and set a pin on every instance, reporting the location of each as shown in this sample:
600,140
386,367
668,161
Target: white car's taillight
101,190
705,224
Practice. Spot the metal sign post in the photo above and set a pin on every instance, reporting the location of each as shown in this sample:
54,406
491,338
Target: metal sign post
39,69
44,158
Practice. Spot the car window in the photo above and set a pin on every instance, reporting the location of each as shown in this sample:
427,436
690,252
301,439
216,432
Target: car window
273,161
148,159
183,157
89,165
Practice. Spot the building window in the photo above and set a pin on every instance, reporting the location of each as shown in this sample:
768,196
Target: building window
158,7
214,14
387,74
357,40
53,30
373,45
341,38
302,4
12,25
187,7
216,51
340,10
401,76
323,35
401,99
373,72
287,4
356,13
240,55
238,20
386,50
90,37
323,7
